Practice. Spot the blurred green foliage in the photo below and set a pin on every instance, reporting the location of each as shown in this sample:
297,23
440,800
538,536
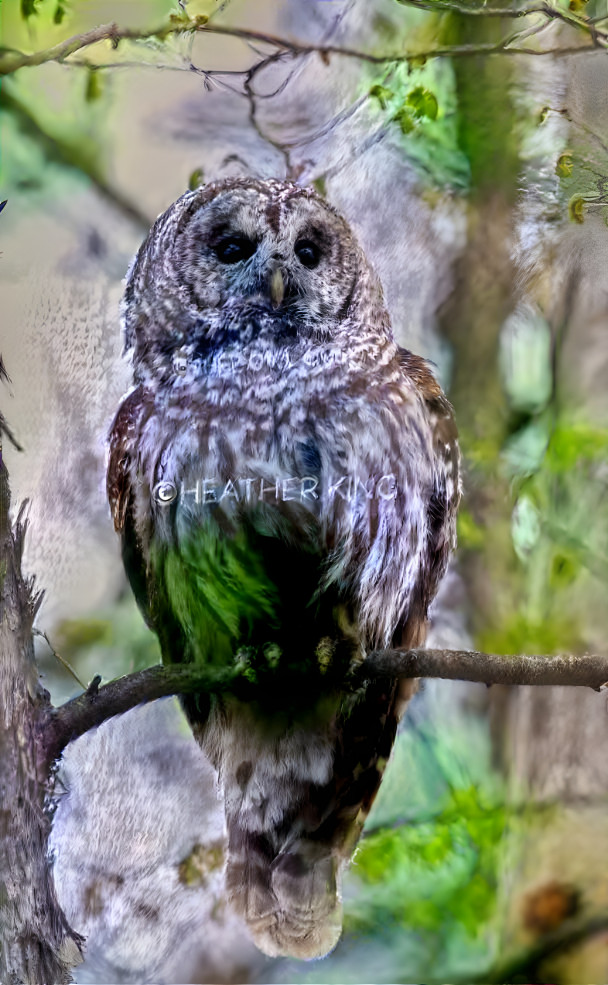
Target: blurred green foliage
419,101
555,462
454,853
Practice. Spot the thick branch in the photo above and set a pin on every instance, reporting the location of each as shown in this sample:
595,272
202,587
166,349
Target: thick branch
488,668
12,60
97,704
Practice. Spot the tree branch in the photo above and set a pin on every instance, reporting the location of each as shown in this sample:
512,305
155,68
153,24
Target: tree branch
88,710
12,60
488,668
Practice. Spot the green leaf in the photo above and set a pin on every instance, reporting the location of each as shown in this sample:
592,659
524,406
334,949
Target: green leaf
434,150
60,12
564,165
572,445
576,209
422,103
417,61
382,94
564,571
457,849
196,179
28,7
94,88
405,120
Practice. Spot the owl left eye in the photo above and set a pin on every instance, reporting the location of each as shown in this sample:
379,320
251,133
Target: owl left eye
308,253
233,249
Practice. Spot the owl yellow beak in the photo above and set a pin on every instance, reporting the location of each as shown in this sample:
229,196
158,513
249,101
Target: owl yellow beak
277,288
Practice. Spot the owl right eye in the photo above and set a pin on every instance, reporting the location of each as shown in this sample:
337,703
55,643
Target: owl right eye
233,249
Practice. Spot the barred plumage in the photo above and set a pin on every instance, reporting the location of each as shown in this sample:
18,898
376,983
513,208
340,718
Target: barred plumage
285,481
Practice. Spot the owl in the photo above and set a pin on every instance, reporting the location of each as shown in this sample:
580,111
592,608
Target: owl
284,478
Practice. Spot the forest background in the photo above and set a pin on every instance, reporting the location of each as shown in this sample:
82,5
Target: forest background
466,144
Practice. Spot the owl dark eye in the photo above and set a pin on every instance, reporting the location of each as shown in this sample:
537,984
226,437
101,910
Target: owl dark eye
308,253
233,249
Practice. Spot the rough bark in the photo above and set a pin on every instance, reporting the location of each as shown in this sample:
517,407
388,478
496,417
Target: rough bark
36,944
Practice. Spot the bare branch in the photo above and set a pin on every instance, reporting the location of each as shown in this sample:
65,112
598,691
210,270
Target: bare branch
97,704
251,99
488,668
297,48
11,60
5,378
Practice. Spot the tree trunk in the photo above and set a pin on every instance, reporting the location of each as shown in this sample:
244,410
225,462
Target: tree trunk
36,944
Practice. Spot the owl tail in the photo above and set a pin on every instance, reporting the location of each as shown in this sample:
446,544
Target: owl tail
295,798
291,903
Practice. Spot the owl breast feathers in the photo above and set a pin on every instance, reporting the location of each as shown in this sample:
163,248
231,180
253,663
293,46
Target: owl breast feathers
284,478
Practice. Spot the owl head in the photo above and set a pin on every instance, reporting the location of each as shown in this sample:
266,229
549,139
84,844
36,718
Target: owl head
242,253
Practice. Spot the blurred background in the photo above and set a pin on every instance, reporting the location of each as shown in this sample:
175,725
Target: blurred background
476,183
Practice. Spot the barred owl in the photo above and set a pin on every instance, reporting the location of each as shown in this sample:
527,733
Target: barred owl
284,478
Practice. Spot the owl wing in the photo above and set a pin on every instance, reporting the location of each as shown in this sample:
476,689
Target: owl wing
369,729
121,491
118,482
388,544
442,501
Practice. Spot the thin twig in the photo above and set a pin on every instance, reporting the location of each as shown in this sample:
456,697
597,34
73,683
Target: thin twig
5,430
10,61
64,663
567,114
251,98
